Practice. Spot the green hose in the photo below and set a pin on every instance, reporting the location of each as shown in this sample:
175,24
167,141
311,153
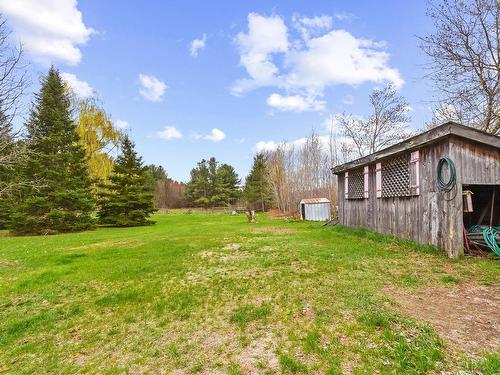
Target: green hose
490,235
446,186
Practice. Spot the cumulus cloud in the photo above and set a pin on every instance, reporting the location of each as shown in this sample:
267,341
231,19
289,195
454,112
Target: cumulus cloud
152,88
121,124
265,37
311,26
215,135
50,30
263,146
80,88
197,45
295,103
304,65
169,132
339,58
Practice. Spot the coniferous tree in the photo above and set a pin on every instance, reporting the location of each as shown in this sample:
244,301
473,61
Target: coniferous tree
59,197
227,181
7,145
127,199
212,184
257,190
197,189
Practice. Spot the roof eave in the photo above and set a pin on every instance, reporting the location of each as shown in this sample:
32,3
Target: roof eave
419,140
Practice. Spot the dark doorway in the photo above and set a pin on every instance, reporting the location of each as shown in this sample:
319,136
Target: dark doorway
303,211
485,208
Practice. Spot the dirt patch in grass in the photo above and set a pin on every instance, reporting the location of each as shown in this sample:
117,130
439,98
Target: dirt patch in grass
260,355
232,246
466,316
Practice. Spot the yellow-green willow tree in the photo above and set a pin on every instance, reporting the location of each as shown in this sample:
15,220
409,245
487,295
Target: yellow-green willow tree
98,136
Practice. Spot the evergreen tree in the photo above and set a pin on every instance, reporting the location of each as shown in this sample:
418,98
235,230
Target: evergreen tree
212,184
159,182
197,189
227,181
257,190
127,199
58,197
7,145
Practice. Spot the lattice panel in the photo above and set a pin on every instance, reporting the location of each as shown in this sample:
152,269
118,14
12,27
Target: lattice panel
396,177
356,185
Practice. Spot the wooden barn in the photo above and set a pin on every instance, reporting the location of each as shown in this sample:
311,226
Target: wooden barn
401,191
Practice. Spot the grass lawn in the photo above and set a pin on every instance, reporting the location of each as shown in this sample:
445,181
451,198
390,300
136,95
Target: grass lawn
211,293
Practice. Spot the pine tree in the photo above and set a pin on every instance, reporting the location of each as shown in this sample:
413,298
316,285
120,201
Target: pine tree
58,197
127,199
7,145
212,184
227,181
257,191
197,189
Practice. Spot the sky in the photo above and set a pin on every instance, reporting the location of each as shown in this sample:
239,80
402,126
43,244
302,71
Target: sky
194,79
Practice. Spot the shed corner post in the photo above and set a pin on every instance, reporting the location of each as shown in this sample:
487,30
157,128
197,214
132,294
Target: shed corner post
454,212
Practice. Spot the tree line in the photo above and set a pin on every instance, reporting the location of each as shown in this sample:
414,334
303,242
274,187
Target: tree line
63,184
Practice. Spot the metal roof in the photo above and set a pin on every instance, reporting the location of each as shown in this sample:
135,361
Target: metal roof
440,132
314,200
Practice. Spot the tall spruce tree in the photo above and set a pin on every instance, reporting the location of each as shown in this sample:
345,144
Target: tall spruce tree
127,199
257,191
7,145
227,181
197,189
59,197
212,184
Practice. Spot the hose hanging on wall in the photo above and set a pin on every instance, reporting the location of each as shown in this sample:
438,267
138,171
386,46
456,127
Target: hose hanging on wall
446,186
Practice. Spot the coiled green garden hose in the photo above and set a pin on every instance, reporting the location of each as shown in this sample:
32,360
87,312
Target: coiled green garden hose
490,235
446,186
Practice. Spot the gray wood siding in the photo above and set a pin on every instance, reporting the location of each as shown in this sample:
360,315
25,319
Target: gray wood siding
432,217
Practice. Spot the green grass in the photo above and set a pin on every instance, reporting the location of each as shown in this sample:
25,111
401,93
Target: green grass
295,297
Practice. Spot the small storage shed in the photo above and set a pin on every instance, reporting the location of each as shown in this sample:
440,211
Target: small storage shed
397,190
315,209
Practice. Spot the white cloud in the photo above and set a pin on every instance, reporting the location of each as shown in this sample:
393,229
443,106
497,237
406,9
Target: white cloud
263,146
311,26
216,135
343,16
50,30
197,45
152,88
121,124
80,88
295,103
304,67
169,132
339,58
266,36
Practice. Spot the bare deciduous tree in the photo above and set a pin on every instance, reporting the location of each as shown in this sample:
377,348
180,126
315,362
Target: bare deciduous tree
13,81
386,125
464,54
303,170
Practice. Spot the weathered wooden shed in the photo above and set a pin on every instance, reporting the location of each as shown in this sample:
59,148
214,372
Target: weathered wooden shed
396,190
315,209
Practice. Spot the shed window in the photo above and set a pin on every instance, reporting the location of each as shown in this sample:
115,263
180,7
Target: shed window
396,177
356,184
400,176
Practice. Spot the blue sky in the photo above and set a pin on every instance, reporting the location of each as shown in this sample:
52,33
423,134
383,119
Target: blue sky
261,71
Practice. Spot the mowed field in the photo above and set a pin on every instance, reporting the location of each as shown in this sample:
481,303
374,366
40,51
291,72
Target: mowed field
211,293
